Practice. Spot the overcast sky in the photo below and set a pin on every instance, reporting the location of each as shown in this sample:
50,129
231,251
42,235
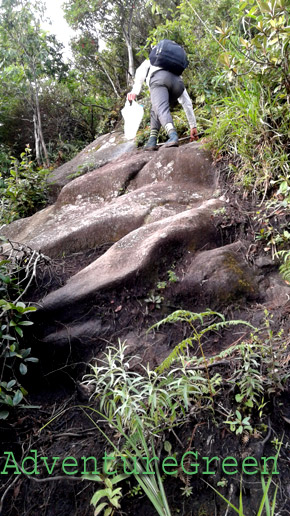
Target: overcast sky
59,26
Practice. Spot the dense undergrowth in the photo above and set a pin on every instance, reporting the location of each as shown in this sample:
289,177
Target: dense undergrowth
140,412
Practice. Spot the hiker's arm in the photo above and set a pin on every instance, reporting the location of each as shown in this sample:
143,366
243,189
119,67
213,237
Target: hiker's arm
140,77
186,103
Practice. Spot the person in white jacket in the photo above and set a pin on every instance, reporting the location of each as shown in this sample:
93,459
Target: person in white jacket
166,89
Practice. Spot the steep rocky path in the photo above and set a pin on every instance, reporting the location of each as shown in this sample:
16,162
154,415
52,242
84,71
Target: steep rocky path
133,236
152,211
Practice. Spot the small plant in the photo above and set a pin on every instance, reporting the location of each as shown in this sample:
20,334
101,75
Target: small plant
172,278
154,299
238,423
187,491
108,491
248,378
222,483
161,285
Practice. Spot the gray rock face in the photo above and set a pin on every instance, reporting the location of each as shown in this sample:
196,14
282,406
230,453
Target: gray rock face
144,204
135,252
108,203
219,275
104,149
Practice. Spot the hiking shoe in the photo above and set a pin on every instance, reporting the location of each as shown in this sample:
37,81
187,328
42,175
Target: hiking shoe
173,139
151,144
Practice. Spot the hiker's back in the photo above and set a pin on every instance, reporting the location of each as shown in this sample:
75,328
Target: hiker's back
169,56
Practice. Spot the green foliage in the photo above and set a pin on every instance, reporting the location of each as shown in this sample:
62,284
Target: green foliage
108,491
27,51
154,299
238,423
260,370
139,407
252,123
158,400
4,163
267,504
16,274
285,267
24,190
192,319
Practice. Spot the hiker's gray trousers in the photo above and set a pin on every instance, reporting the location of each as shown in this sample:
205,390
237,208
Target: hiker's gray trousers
165,89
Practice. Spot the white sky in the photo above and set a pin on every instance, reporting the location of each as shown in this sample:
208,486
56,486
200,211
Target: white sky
59,26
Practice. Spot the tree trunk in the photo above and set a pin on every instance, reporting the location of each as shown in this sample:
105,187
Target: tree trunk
128,40
110,79
131,68
39,126
36,140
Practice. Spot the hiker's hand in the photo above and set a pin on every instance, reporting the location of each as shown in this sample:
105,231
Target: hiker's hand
131,96
193,134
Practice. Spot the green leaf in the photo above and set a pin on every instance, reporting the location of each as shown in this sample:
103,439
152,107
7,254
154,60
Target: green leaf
100,508
226,500
239,397
100,494
119,478
25,352
22,368
91,476
11,384
4,414
32,359
19,331
17,398
167,446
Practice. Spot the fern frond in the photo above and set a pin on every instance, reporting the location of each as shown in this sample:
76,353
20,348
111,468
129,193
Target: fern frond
284,268
174,355
190,317
186,316
223,324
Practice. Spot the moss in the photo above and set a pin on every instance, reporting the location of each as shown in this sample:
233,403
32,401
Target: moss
243,282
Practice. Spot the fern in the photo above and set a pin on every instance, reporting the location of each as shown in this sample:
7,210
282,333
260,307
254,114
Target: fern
174,355
190,318
185,316
285,267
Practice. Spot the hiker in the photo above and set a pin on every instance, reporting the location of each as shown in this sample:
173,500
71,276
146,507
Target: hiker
162,72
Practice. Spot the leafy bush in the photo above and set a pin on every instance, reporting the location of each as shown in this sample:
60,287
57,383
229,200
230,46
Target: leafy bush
4,162
16,274
23,191
252,123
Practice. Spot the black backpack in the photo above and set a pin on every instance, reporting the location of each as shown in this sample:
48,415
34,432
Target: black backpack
170,56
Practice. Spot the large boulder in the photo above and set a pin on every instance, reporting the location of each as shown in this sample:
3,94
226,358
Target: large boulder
106,204
101,151
137,252
219,276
